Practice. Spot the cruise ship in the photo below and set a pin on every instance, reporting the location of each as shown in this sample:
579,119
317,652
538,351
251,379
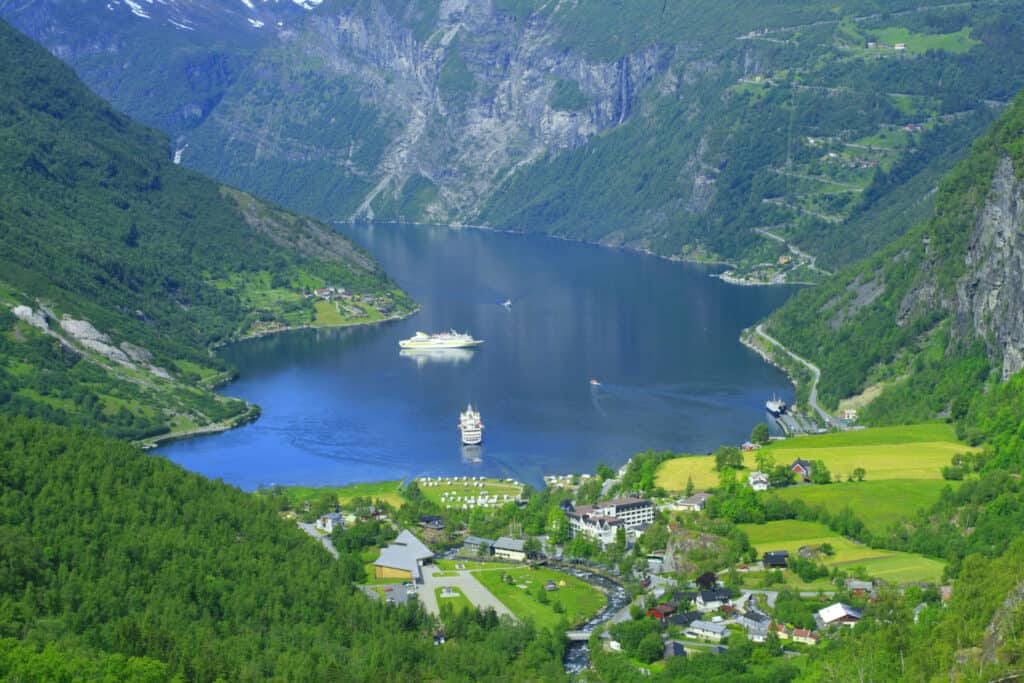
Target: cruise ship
444,340
471,427
776,406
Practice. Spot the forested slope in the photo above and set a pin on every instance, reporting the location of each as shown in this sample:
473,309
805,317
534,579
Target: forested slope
937,313
107,553
121,269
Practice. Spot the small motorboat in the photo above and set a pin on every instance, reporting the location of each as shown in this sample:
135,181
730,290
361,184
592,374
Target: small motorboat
507,303
594,382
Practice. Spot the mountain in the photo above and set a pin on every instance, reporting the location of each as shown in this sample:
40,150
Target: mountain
119,269
936,314
691,129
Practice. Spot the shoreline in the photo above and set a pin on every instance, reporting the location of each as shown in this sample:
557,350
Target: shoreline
253,412
509,231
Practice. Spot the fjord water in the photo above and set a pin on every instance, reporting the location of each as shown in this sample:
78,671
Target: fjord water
344,405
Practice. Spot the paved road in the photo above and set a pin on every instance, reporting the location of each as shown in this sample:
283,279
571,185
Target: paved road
812,400
324,540
464,581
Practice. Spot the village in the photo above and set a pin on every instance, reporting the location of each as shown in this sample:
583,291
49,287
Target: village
793,583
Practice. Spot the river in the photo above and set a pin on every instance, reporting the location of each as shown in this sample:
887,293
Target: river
343,405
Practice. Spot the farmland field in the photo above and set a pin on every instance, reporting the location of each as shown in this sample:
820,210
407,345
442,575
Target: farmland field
876,503
387,491
907,452
893,566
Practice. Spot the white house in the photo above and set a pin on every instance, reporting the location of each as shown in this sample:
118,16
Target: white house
838,613
707,630
329,522
694,503
758,481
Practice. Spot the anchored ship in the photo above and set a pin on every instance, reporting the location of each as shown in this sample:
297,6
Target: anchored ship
471,427
444,340
776,406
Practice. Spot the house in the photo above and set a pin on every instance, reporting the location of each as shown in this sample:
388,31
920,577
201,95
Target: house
708,631
780,631
510,549
713,599
602,521
477,547
673,648
802,468
758,481
402,559
837,613
661,612
433,522
694,503
683,619
802,635
775,559
900,47
858,587
566,506
329,522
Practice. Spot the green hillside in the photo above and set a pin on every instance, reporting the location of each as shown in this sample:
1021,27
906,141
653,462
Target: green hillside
124,565
891,319
119,270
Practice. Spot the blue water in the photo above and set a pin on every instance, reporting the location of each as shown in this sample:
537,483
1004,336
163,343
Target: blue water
344,405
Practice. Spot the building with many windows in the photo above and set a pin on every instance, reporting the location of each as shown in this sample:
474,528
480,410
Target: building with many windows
602,520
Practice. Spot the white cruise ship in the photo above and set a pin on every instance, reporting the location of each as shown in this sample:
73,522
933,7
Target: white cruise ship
444,340
471,427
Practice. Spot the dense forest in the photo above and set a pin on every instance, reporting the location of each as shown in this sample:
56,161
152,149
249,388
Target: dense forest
98,224
115,563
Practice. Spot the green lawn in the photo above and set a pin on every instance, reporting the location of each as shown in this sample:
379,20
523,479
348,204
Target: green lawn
875,436
579,600
434,488
922,42
388,491
458,602
876,503
327,313
890,565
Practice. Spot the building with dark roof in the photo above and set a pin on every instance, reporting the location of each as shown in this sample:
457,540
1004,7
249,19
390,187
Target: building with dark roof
602,520
510,549
802,468
776,559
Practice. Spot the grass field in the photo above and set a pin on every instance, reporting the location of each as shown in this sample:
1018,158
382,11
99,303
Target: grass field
893,566
579,600
905,452
387,491
453,491
922,42
459,601
876,503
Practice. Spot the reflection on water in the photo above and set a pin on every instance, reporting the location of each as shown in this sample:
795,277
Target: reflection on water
472,454
661,338
441,356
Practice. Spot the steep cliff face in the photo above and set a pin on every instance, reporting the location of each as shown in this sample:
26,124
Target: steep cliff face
678,128
990,296
467,101
947,299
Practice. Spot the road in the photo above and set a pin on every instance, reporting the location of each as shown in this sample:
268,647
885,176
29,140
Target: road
812,399
324,540
464,581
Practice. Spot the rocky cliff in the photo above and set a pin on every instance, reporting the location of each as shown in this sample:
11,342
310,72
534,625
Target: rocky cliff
989,300
671,127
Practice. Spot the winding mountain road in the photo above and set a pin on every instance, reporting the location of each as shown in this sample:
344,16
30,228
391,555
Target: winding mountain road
812,399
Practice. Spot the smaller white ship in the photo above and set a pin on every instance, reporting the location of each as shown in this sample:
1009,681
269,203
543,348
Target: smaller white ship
507,303
471,427
444,340
776,406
